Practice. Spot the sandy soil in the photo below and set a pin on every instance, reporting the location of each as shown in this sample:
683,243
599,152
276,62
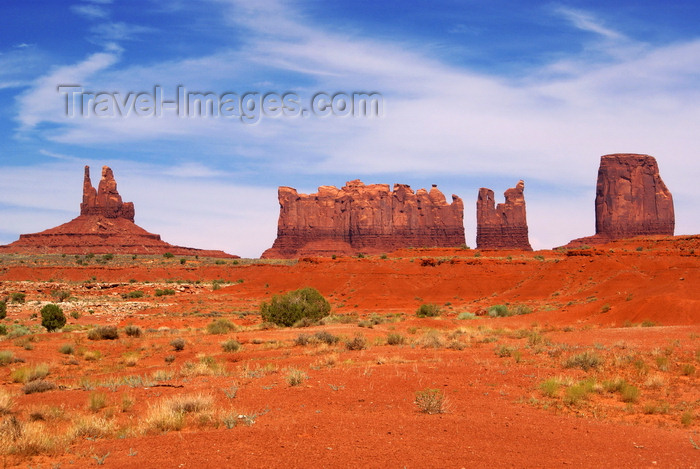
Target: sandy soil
514,396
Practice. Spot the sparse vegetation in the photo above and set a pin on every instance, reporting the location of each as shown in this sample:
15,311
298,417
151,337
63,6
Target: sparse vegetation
287,309
231,346
178,344
428,310
133,331
103,333
221,326
52,317
431,401
586,361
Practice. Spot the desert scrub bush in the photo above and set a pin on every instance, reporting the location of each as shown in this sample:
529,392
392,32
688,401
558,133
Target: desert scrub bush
359,342
169,414
550,387
103,333
97,401
130,358
6,357
6,402
66,349
629,393
178,344
326,337
60,295
586,361
395,339
295,377
687,418
221,326
133,295
687,369
431,339
92,427
431,401
285,310
614,385
133,331
18,330
3,329
465,315
504,351
499,311
28,438
18,297
3,309
578,392
27,374
164,292
52,317
231,345
38,385
428,310
206,366
651,408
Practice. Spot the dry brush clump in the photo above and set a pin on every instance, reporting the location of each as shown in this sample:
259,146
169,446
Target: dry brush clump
170,414
431,401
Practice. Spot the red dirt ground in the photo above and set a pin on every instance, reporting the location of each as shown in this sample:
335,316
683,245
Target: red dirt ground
357,407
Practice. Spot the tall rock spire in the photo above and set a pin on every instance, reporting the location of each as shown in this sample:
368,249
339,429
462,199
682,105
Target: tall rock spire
105,201
503,226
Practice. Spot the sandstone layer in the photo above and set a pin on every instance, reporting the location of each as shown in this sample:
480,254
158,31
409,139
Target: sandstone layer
631,200
369,219
502,226
105,225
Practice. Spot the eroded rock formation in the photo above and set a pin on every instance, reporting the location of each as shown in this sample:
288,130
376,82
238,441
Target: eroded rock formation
631,200
105,225
104,201
502,226
364,218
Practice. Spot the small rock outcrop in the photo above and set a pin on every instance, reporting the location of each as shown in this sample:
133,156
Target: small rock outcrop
105,226
371,219
502,226
631,200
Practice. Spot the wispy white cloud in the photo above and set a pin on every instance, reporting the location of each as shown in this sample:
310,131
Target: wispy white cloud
90,11
586,21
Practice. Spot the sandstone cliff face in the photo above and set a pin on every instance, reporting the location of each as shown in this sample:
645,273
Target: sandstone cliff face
631,200
364,218
105,225
503,226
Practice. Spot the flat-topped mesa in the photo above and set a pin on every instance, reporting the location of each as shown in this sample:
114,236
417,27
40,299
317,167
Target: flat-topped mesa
631,200
371,219
105,201
502,226
105,225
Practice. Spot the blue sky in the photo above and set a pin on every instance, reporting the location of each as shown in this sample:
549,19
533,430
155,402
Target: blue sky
476,94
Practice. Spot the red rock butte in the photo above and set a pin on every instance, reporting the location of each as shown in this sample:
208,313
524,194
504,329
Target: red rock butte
105,225
502,226
370,219
631,200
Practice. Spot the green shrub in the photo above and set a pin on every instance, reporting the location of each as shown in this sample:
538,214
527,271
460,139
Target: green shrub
231,346
395,339
178,344
165,291
168,255
550,387
499,311
52,317
431,401
3,309
38,385
585,361
3,329
578,392
428,310
103,333
285,310
358,343
66,349
133,294
629,393
327,337
18,297
6,357
221,326
60,295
